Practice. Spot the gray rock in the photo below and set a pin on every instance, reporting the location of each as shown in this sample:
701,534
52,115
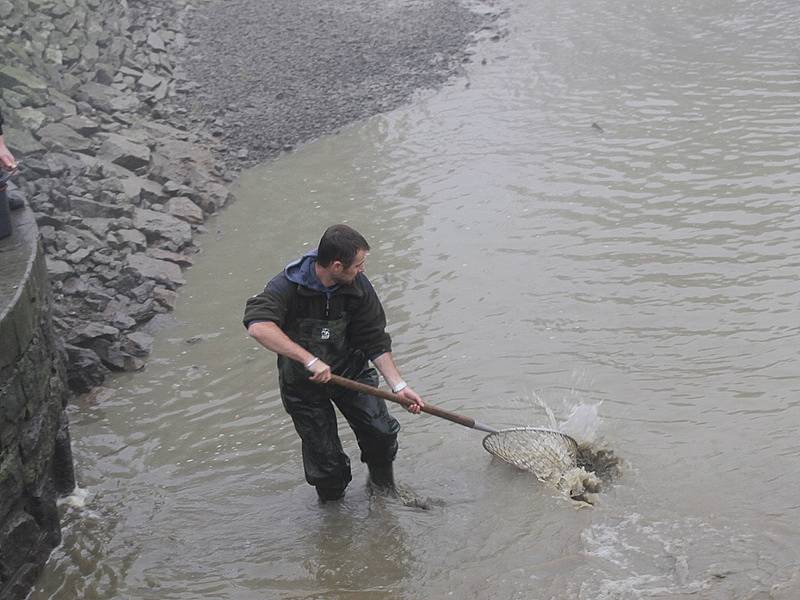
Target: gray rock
143,291
121,320
100,169
79,256
213,196
114,357
82,124
21,142
54,164
130,237
104,74
31,118
66,23
173,188
87,236
184,209
152,191
155,41
175,257
143,311
125,153
138,344
57,109
161,91
106,98
97,297
54,55
150,81
85,332
126,70
12,76
58,270
72,53
159,225
98,225
85,370
92,208
12,99
138,189
74,286
58,136
59,9
90,53
167,298
161,271
181,162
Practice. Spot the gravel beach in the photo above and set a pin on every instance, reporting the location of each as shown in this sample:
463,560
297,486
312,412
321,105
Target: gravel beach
273,75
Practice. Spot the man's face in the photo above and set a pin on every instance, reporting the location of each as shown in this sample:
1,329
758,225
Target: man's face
344,276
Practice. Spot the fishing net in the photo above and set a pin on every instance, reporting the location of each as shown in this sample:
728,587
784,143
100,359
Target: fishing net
546,453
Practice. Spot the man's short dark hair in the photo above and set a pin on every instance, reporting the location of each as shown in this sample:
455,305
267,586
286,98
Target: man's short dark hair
342,243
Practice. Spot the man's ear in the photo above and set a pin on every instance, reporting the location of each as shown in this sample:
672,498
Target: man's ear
337,266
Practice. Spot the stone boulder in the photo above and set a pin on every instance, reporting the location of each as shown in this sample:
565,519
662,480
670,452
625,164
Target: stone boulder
162,271
139,189
121,151
156,225
184,209
11,77
85,369
82,124
59,137
93,209
106,98
181,162
21,142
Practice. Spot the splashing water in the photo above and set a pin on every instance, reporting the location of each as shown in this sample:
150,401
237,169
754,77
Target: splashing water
595,463
583,423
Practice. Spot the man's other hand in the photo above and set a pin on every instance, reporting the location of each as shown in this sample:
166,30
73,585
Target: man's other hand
410,394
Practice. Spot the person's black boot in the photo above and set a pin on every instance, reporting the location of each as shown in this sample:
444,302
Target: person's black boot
381,479
16,199
329,494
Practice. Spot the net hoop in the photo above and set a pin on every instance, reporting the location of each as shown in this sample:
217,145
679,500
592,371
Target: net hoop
546,453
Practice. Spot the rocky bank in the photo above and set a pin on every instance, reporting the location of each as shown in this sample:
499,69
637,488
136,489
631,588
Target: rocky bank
118,183
130,117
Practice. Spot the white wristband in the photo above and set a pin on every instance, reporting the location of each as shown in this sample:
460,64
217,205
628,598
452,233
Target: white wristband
401,385
311,362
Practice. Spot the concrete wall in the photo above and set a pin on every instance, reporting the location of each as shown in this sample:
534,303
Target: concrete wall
35,457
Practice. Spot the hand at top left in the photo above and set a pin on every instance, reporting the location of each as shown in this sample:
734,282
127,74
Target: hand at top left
7,160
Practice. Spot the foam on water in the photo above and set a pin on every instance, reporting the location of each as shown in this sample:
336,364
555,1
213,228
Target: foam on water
77,499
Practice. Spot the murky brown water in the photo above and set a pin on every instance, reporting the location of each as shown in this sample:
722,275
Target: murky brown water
651,266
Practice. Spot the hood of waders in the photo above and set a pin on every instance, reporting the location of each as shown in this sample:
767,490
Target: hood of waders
302,272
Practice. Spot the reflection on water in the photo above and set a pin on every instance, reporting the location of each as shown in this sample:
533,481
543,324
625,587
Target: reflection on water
650,264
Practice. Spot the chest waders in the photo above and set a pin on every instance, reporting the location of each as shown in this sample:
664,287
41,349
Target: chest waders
325,463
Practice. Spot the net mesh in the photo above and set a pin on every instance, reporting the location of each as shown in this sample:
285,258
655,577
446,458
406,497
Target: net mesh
546,453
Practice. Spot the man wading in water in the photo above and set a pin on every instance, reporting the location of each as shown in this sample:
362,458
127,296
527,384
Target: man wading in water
322,315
